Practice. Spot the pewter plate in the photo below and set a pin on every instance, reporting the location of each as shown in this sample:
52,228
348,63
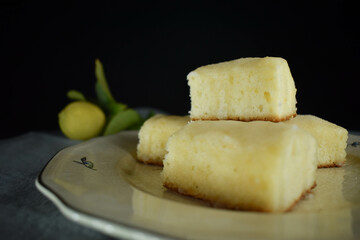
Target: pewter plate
113,193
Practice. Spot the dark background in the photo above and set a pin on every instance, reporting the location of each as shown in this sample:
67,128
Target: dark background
148,49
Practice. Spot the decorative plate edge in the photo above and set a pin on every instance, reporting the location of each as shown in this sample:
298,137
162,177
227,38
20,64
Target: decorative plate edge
100,224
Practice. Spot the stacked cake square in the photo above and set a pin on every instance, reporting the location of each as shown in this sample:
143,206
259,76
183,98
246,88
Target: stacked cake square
243,145
244,89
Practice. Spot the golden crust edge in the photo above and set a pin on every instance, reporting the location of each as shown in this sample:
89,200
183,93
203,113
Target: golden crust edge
157,162
213,203
271,119
332,164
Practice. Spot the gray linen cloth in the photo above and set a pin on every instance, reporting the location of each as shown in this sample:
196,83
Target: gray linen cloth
24,212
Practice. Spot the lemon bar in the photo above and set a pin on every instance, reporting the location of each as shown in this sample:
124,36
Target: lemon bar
154,134
331,139
245,89
258,165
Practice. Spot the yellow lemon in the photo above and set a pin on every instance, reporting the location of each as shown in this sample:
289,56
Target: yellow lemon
81,120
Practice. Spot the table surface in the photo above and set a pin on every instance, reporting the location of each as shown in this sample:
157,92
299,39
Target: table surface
25,212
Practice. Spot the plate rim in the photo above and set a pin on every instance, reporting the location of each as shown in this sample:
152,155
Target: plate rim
97,222
87,219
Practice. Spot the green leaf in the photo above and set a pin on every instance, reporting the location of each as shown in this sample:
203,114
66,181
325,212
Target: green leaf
121,121
116,107
111,108
75,95
102,83
103,99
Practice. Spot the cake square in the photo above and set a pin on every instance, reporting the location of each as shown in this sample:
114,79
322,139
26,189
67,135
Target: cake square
154,135
331,139
258,166
245,89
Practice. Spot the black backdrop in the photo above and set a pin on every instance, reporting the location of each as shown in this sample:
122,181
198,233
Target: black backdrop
148,49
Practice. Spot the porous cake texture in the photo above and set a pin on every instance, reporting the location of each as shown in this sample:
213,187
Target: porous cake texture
259,165
154,134
331,139
245,89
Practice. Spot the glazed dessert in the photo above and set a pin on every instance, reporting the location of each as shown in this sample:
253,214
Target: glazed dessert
257,166
245,89
154,134
331,139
